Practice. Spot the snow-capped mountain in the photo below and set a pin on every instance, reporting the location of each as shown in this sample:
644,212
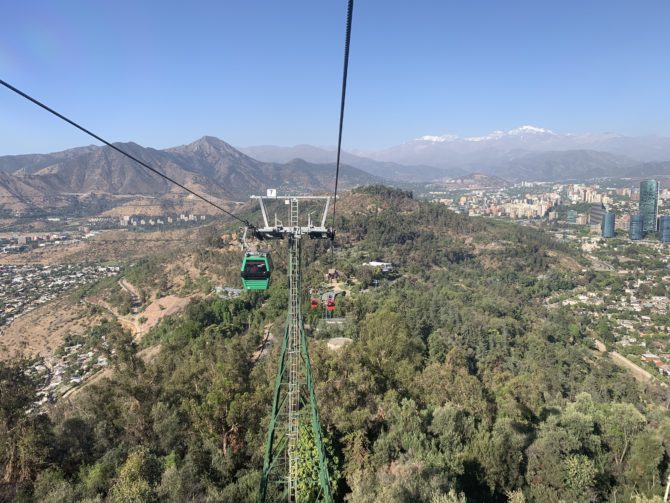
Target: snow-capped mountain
520,132
528,130
449,151
522,153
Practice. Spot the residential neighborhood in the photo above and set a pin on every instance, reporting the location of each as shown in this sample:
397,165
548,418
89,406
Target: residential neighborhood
25,287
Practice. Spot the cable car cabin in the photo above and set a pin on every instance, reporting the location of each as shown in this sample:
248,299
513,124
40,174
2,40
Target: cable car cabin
330,305
314,303
256,270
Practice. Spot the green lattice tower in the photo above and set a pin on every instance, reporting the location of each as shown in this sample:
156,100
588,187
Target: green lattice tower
294,399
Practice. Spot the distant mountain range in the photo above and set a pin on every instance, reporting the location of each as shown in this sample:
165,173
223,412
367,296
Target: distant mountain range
213,167
524,153
409,172
450,150
209,166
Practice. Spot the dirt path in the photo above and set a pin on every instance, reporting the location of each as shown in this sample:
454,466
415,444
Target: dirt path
140,323
132,291
600,265
127,322
135,299
621,361
638,372
268,340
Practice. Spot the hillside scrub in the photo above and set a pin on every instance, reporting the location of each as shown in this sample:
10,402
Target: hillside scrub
459,385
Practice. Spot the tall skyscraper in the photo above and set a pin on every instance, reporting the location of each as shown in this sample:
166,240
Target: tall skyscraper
664,228
571,217
635,229
649,204
596,214
608,225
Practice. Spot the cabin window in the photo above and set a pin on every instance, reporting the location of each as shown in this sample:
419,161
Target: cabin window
255,269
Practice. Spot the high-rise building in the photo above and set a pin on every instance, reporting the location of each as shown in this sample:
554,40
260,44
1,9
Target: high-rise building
649,204
608,225
571,217
596,214
664,228
636,228
622,222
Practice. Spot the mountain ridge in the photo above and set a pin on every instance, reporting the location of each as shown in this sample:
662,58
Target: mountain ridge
208,165
384,169
220,170
444,151
536,152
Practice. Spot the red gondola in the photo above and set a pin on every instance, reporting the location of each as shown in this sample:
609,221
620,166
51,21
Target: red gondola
330,305
314,303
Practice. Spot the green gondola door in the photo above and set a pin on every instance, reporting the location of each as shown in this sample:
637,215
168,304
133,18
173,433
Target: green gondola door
256,270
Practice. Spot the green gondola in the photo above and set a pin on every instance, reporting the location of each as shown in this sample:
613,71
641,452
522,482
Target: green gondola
256,270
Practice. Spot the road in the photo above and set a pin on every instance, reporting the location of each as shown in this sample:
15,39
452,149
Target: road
599,265
127,322
621,361
134,294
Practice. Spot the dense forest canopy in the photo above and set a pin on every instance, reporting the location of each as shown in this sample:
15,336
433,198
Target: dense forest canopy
461,384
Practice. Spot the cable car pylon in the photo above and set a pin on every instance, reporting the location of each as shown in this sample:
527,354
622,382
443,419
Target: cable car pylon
294,398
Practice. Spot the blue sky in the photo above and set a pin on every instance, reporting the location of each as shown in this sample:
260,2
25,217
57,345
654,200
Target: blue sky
267,72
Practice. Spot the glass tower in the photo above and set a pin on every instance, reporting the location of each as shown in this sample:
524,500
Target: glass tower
636,225
608,225
596,214
649,204
664,228
572,217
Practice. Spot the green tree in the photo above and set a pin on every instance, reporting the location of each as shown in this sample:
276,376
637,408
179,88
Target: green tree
644,460
389,348
452,381
96,479
546,456
308,466
451,497
25,437
136,479
454,429
51,487
580,474
500,454
118,345
620,423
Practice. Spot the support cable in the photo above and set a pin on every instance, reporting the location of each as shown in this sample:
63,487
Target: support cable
123,152
350,8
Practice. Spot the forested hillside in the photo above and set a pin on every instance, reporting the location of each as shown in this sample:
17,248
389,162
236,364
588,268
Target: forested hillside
460,385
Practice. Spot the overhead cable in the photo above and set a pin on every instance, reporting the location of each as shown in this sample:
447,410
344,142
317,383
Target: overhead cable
123,152
350,9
